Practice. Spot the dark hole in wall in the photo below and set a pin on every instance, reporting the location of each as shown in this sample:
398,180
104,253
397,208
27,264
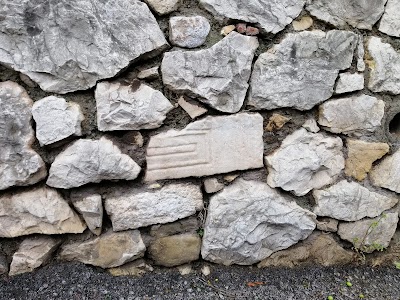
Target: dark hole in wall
394,125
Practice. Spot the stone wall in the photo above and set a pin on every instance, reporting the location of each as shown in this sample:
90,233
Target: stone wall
236,132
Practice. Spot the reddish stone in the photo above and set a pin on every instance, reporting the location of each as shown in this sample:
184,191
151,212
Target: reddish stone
252,30
241,27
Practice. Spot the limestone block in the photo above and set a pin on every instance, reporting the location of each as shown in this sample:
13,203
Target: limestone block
390,22
349,82
163,7
188,32
90,206
387,173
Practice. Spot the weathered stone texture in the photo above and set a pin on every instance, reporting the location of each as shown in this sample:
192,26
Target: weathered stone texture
212,185
90,206
349,82
3,265
192,108
327,224
387,173
390,22
302,24
188,32
163,7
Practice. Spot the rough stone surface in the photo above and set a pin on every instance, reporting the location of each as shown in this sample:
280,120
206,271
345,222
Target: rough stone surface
387,173
350,201
109,250
218,75
19,164
276,122
129,107
349,82
188,32
56,119
33,253
206,147
390,22
175,250
318,248
303,24
301,71
311,126
135,268
360,54
68,46
272,16
3,265
361,155
163,7
327,224
212,185
134,208
192,108
354,116
40,210
361,14
189,225
305,161
384,65
91,161
149,74
369,235
259,222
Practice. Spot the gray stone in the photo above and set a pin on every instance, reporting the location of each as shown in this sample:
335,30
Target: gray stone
210,146
134,208
3,265
56,119
149,74
350,201
387,173
129,107
355,116
369,235
272,16
301,71
390,22
19,164
188,32
217,75
68,46
359,13
305,161
163,7
33,253
189,225
311,126
192,108
109,250
349,82
248,221
135,268
212,185
88,161
360,54
384,65
40,210
327,224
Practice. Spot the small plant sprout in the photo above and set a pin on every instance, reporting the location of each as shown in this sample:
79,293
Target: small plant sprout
330,297
348,283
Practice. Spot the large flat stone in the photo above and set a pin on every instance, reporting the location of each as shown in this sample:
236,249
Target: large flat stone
218,76
301,70
387,173
206,147
248,221
19,164
68,46
390,22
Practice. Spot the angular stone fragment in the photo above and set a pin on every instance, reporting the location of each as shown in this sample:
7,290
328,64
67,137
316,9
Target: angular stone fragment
68,46
134,208
56,119
327,224
109,250
3,265
136,268
33,253
227,29
276,121
189,225
369,235
192,108
350,201
175,250
91,161
19,164
248,221
355,116
163,7
271,15
361,155
311,126
349,82
218,75
212,185
359,13
302,24
301,71
188,32
40,210
305,161
387,173
206,147
149,74
90,206
390,22
133,107
360,54
384,65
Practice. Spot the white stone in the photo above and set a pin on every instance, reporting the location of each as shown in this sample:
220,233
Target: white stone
212,185
390,22
303,24
206,270
387,173
301,70
192,108
218,75
19,164
311,125
40,210
68,46
360,54
350,201
134,208
90,206
210,146
163,7
129,107
248,221
91,161
56,119
349,82
188,32
185,269
305,161
270,15
150,74
355,116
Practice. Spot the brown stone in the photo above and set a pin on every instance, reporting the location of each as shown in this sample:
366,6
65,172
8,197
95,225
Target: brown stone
189,225
328,224
136,268
276,121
